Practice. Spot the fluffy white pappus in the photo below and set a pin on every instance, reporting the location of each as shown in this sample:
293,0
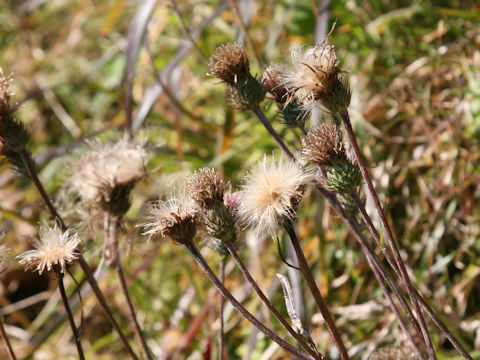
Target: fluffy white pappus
271,193
311,70
54,247
105,166
175,218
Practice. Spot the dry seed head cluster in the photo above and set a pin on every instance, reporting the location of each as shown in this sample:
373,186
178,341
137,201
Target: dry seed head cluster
53,249
273,81
229,63
104,167
271,193
175,218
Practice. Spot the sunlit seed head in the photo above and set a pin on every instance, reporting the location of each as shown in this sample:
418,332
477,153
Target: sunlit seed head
315,77
271,193
206,186
229,63
394,353
104,167
322,143
53,249
175,218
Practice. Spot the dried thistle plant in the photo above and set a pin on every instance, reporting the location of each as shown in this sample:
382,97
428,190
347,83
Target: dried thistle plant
176,218
107,172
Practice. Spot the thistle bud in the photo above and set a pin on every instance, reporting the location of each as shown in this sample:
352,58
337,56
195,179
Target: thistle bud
247,94
343,177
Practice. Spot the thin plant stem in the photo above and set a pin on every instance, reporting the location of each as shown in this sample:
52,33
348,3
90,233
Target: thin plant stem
75,332
358,235
25,155
6,340
389,233
268,303
431,313
236,11
103,303
222,303
113,245
239,307
322,305
263,119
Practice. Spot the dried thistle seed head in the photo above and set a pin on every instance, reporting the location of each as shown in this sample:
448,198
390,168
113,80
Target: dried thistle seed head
206,187
322,144
176,218
246,94
230,63
106,173
271,193
273,80
54,249
316,77
232,201
343,177
394,353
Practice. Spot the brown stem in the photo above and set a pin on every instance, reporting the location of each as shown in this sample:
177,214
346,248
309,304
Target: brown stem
263,119
222,303
113,245
239,307
103,303
428,309
6,340
389,234
322,305
268,303
25,155
75,332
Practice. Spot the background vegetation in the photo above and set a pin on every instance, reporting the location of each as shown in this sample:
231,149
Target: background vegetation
414,68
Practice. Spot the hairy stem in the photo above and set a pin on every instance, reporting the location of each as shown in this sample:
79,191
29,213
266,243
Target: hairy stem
239,307
322,305
75,332
268,303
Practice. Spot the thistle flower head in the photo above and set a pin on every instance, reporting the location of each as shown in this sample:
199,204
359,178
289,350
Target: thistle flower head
53,249
229,63
175,218
315,77
393,353
206,187
271,193
322,143
106,173
273,81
